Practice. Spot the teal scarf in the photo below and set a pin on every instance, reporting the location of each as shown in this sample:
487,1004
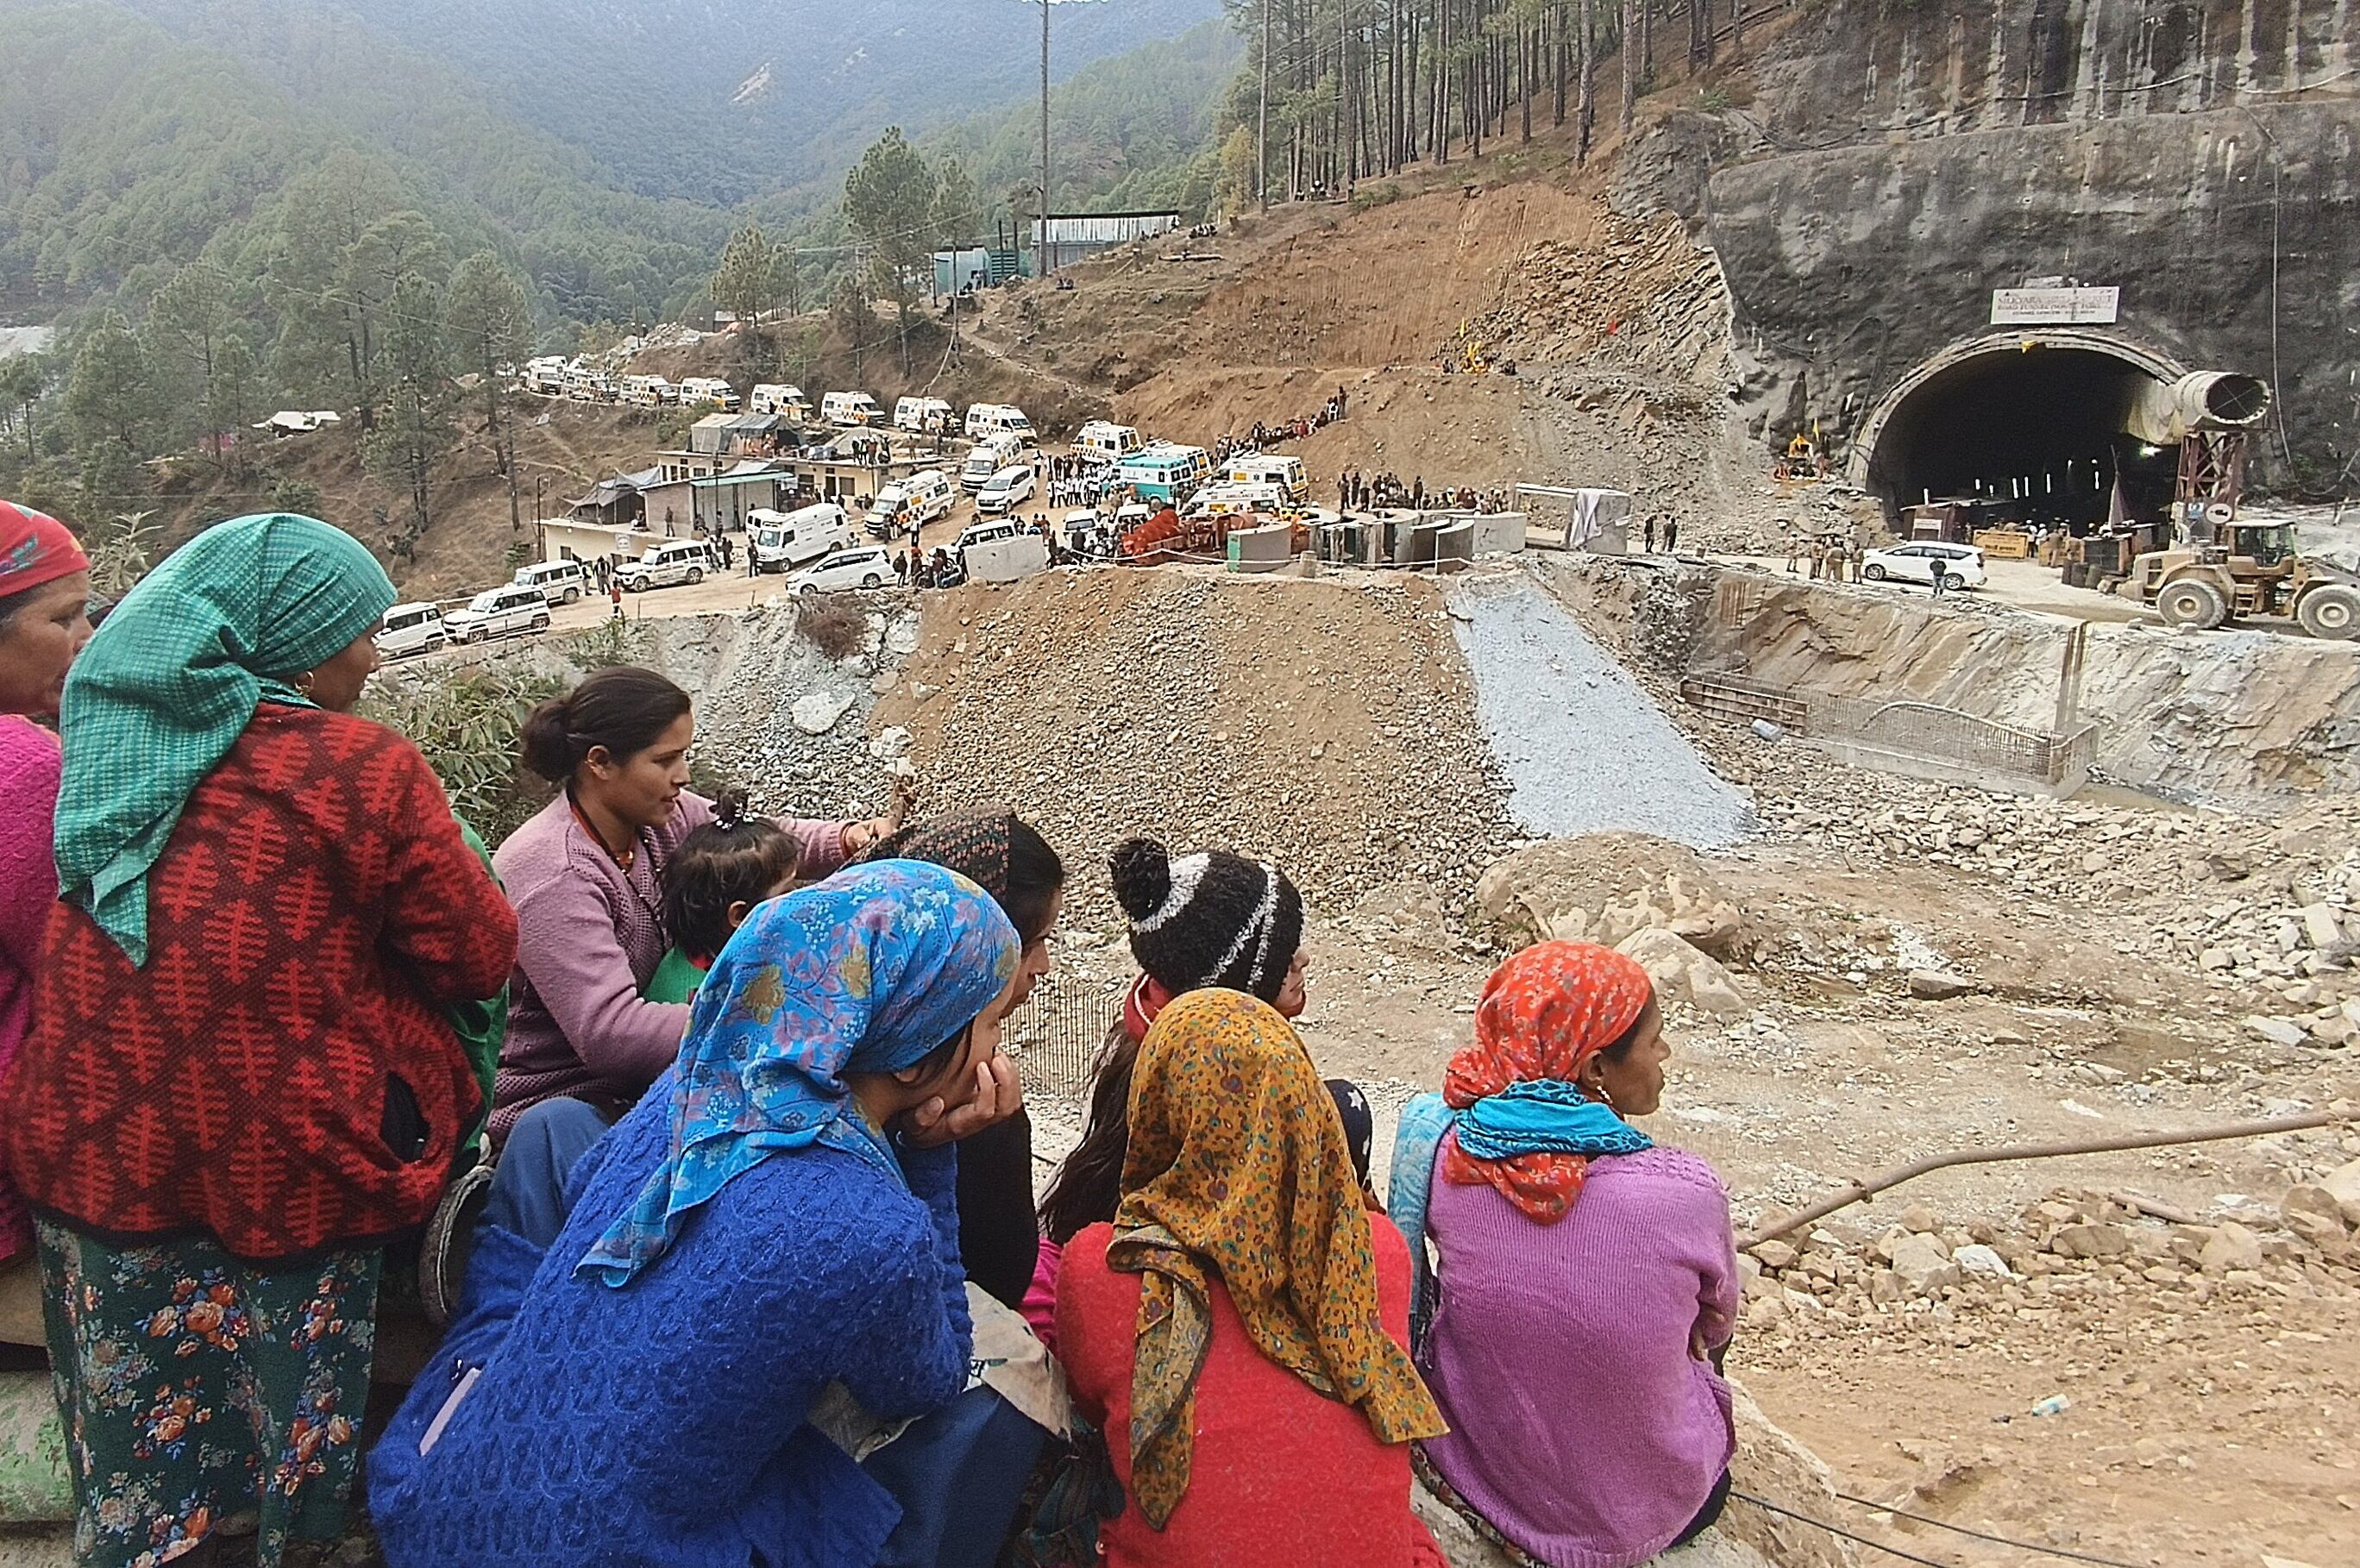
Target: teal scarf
1546,1117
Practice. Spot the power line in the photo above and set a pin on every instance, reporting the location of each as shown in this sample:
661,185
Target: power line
1980,1535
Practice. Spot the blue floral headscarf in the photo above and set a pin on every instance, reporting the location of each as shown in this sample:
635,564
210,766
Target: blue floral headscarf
867,972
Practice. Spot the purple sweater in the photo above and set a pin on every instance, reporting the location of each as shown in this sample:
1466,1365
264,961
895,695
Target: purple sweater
1580,1426
589,935
29,763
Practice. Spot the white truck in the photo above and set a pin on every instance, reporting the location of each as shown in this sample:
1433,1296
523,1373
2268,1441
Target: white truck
780,542
696,391
850,410
786,402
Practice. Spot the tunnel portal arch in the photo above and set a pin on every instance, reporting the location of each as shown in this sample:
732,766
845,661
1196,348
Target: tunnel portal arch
2045,408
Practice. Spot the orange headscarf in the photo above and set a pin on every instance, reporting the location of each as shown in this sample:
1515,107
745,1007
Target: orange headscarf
1545,1012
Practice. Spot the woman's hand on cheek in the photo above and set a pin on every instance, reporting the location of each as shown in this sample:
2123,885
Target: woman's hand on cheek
996,1095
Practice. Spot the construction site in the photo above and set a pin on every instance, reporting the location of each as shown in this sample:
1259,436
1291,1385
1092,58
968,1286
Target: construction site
2061,874
2069,864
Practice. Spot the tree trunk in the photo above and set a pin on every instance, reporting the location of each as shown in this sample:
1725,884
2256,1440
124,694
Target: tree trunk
1261,118
1629,50
1587,111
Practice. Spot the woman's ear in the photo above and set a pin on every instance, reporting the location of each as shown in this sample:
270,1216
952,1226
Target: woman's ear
599,760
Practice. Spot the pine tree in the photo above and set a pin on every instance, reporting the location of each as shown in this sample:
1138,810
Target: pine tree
489,311
189,331
417,429
890,205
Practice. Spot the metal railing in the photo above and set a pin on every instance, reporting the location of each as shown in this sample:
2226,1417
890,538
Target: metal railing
1903,728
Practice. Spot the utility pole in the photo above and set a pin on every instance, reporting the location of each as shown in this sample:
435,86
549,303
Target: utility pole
1043,248
1261,120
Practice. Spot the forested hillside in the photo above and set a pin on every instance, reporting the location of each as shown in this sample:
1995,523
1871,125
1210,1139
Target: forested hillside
126,150
1130,133
719,101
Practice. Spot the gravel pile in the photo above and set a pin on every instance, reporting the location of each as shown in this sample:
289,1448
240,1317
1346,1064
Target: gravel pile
1585,748
1326,724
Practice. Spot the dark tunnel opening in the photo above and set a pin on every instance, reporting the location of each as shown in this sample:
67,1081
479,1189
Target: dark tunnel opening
2036,434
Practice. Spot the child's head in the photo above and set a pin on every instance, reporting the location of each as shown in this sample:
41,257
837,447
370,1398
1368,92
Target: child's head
719,873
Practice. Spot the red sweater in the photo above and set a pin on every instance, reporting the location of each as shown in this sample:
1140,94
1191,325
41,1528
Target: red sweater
313,911
1281,1472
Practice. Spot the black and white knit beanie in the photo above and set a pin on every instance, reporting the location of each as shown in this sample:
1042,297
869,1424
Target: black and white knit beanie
1208,918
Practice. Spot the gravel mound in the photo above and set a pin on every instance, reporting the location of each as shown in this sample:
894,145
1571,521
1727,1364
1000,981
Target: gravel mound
1585,749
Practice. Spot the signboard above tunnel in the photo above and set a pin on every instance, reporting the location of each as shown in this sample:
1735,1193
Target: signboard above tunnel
2054,307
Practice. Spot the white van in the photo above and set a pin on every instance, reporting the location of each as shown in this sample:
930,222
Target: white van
782,541
648,391
991,454
1101,442
560,581
786,402
1230,500
546,376
849,410
998,418
696,391
911,503
500,612
411,628
922,416
1255,468
673,561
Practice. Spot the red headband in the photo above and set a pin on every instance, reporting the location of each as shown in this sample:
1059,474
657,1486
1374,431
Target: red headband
34,548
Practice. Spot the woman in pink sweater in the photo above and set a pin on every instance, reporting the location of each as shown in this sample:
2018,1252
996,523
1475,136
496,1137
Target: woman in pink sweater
1574,1256
585,874
44,621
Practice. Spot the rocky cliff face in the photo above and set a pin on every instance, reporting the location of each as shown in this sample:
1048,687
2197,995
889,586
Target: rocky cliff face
1900,161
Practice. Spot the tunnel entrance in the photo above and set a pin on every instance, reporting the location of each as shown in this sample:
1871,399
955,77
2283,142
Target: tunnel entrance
2033,432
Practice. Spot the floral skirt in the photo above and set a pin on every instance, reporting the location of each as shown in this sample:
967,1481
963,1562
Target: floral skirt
197,1390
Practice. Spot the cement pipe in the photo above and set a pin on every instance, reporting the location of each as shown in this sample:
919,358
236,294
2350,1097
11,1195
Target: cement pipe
1860,1191
2165,413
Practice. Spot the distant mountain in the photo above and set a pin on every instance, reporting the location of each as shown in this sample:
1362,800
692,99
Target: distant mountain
718,101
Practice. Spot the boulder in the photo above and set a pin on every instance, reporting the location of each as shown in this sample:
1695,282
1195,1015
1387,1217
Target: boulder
2313,1214
1685,976
817,713
2232,1248
1603,888
1923,1263
2090,1241
2277,1031
1981,1259
1940,985
2344,1184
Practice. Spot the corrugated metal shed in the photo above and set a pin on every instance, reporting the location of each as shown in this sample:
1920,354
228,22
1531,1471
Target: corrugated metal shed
1104,229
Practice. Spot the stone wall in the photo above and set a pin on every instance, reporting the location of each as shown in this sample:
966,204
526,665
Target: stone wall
1899,161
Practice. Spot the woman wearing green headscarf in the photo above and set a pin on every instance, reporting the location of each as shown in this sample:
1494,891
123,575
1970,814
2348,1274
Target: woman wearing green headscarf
241,1081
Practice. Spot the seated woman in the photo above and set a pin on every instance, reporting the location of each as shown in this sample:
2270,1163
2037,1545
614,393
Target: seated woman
585,874
1008,858
1206,919
1244,1318
1574,1256
757,1228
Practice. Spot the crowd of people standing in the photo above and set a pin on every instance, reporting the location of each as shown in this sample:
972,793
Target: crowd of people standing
753,1269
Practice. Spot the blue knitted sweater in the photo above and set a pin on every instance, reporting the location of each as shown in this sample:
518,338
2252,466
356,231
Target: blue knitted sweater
661,1425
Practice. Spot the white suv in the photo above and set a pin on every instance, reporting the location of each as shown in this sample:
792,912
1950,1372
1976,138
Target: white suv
863,566
500,612
1007,489
560,581
1961,565
411,628
677,562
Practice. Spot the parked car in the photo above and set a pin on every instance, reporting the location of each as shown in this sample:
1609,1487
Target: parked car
990,531
411,628
669,564
560,581
500,612
1962,565
1007,489
990,455
863,566
910,503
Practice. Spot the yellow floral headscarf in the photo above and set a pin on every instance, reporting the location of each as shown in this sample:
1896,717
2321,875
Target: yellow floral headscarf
1238,1171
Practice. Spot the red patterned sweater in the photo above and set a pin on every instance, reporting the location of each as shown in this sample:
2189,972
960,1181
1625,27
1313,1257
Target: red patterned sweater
314,909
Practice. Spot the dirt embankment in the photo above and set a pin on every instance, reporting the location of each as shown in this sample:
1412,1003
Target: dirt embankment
1327,725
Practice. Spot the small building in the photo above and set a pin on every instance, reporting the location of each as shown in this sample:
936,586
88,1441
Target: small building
975,266
719,503
563,539
616,503
1059,241
709,437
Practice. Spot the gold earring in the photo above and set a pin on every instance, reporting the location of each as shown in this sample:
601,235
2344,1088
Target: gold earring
303,681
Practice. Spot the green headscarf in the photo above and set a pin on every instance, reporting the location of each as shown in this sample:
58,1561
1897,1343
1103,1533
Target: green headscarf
172,679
